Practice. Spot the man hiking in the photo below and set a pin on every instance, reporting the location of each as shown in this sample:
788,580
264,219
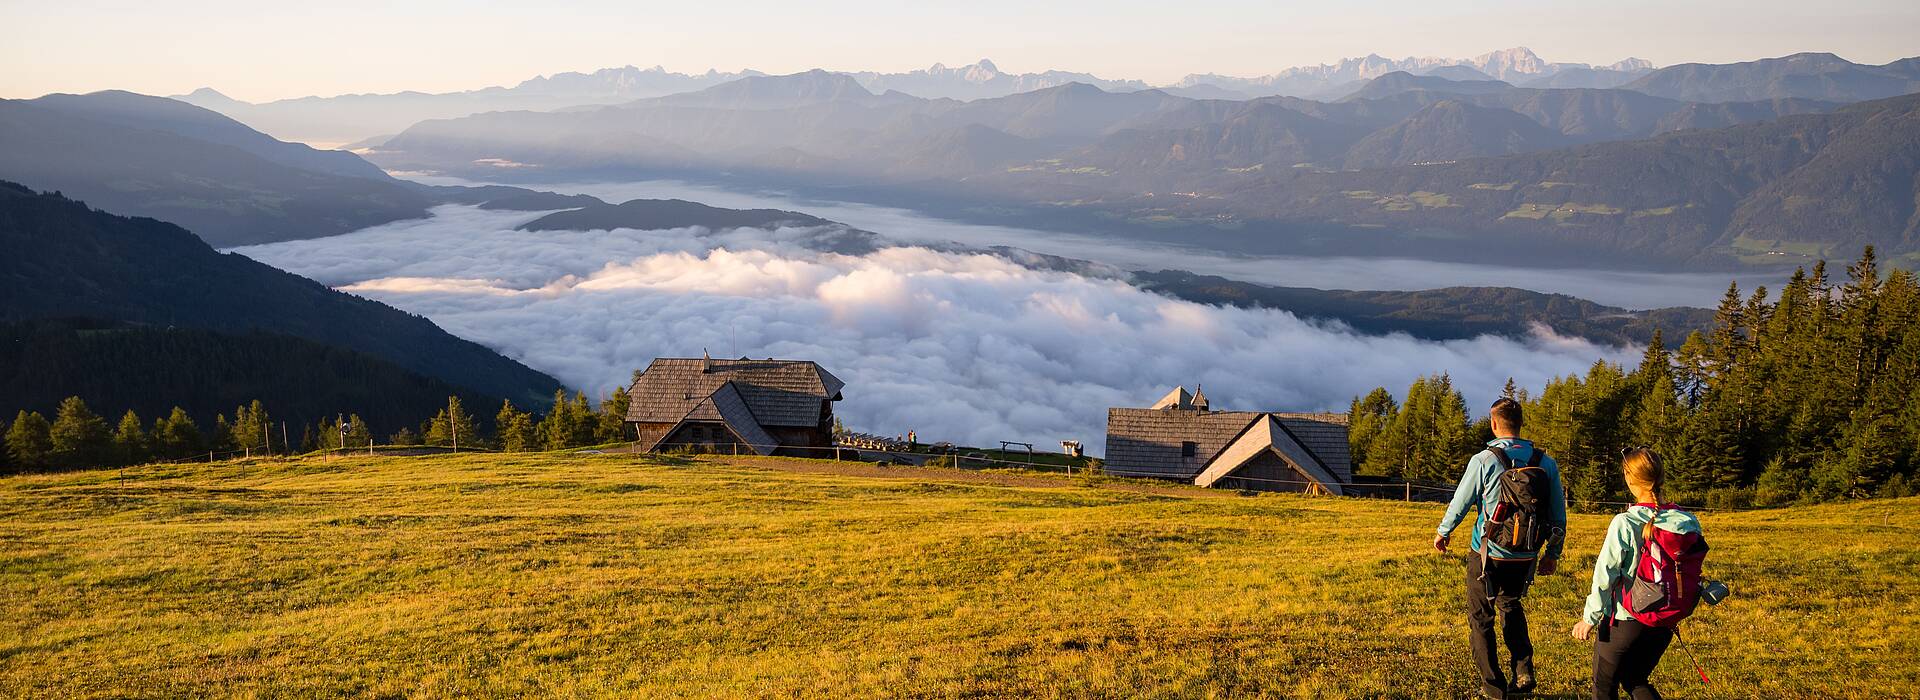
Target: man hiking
1522,520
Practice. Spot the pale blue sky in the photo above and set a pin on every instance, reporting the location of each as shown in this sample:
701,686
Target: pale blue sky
268,50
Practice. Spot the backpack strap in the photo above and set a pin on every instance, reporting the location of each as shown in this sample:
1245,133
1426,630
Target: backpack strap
1534,461
1501,457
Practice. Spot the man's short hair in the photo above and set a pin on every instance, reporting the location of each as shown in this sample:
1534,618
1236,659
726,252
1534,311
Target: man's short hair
1507,412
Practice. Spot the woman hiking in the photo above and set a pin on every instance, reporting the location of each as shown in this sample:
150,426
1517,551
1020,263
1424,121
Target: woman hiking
1645,581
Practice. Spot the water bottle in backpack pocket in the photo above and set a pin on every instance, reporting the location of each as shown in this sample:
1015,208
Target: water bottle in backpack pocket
1517,522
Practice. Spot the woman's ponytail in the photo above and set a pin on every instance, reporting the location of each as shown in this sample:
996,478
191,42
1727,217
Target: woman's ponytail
1643,471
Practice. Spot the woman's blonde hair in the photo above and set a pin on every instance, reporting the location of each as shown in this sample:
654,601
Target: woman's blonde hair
1643,471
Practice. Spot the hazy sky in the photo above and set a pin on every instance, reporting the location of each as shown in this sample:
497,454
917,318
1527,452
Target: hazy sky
267,50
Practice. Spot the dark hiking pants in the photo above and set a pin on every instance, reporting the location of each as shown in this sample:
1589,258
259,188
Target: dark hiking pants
1625,657
1501,590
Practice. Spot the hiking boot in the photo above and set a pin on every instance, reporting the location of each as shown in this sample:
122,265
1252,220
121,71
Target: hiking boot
1492,692
1522,679
1522,683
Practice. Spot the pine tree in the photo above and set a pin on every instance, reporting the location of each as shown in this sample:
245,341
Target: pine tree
516,429
586,428
405,436
1694,369
453,426
130,441
249,430
613,417
1366,419
80,438
176,436
221,439
557,429
30,441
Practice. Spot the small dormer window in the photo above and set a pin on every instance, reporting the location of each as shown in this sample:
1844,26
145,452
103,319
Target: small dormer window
1189,449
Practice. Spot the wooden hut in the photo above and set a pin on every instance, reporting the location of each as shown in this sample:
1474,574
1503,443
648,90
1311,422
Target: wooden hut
1181,437
743,406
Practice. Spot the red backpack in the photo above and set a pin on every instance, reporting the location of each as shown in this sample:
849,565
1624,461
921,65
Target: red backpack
1666,577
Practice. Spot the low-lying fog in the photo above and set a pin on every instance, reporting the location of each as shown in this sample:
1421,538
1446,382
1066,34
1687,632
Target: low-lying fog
1633,290
970,348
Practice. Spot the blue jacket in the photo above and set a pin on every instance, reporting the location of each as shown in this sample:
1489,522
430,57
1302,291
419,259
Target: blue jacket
1480,487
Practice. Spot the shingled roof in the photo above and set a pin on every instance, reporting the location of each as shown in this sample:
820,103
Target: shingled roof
1269,433
1151,441
779,393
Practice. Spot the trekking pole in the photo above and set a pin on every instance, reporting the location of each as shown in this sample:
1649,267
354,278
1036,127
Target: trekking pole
1696,662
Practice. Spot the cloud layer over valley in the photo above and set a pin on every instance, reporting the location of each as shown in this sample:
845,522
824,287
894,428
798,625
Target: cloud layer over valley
967,347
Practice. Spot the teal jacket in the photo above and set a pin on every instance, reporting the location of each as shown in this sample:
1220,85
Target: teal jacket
1480,487
1619,552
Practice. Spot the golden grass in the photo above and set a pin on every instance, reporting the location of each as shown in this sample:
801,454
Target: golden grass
566,576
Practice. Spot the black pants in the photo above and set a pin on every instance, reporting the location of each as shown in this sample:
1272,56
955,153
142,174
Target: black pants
1624,658
1501,590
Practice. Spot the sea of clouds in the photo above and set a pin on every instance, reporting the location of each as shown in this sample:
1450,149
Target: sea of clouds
962,346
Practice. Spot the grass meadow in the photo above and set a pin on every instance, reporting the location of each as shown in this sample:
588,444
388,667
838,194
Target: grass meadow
628,576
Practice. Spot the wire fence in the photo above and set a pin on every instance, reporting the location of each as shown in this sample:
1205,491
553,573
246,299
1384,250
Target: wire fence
889,452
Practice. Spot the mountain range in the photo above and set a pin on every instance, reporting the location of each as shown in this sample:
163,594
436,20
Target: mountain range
1397,144
350,119
229,184
1518,65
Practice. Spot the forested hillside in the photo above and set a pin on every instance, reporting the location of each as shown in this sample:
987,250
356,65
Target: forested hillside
230,191
63,259
152,369
1441,314
1813,396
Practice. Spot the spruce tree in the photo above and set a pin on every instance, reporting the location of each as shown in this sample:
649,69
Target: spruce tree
586,427
30,441
405,436
1367,417
613,417
177,436
221,439
130,440
453,426
515,429
80,438
250,428
557,428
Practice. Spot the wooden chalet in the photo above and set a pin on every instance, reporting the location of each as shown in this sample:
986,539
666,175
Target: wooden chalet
1181,437
743,406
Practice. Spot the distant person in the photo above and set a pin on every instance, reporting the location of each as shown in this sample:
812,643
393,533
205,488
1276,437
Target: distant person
1521,523
1645,582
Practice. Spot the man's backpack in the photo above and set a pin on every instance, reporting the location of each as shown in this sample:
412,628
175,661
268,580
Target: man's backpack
1666,577
1518,521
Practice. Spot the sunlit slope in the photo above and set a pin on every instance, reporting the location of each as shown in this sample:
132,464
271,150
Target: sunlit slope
560,576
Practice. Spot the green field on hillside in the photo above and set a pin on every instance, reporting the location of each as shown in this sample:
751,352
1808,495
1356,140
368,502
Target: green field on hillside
563,576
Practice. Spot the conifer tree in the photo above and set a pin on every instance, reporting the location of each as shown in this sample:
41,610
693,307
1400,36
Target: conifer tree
453,426
586,426
176,436
130,440
613,417
568,425
1366,419
80,438
515,429
221,439
30,440
405,436
250,428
